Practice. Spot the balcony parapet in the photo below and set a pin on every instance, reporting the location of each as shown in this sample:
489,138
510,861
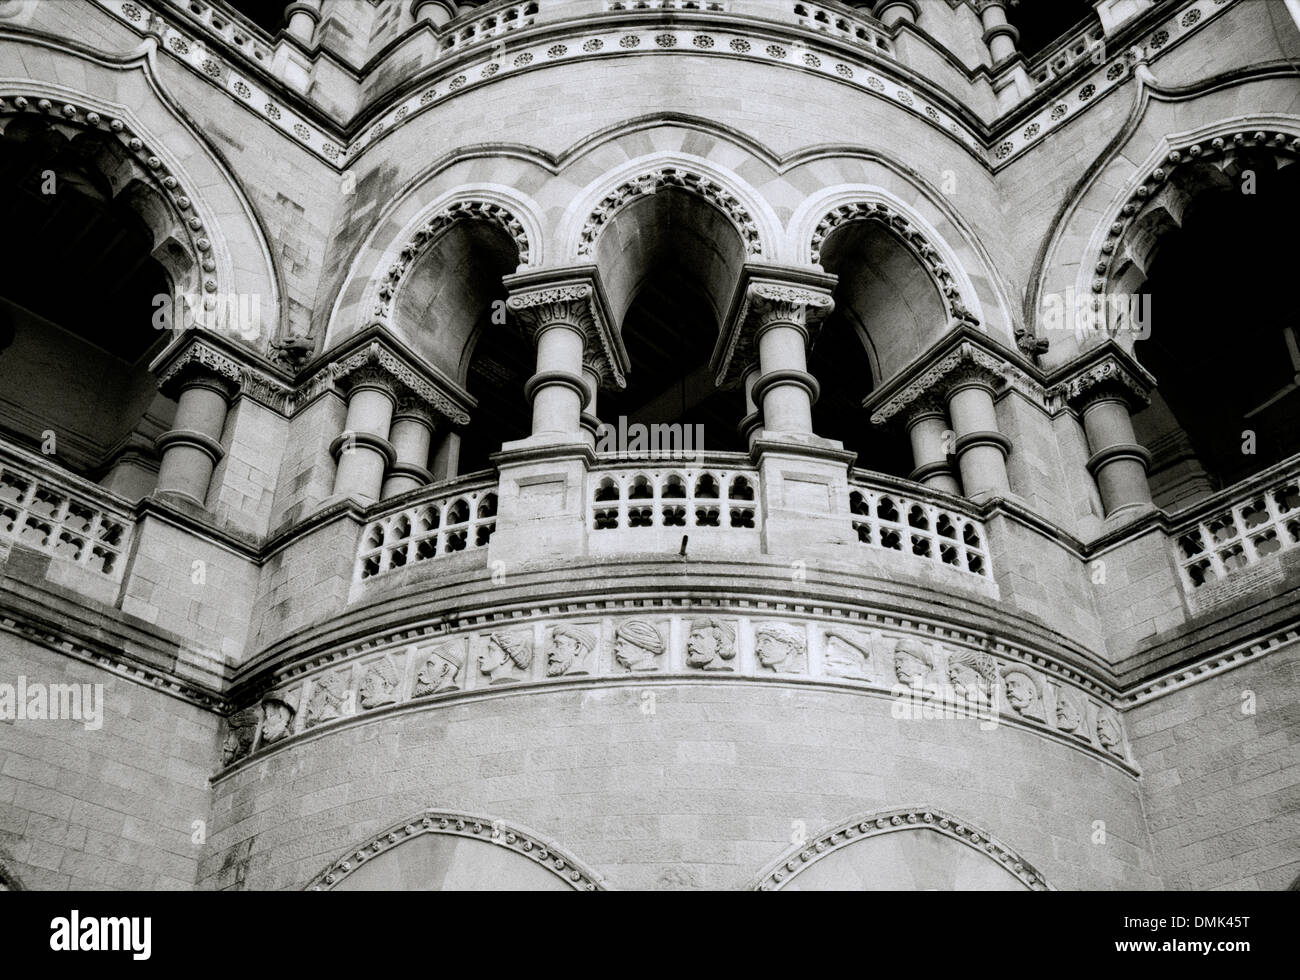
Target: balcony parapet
44,508
1225,545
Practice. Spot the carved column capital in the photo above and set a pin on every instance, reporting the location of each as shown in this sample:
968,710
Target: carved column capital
803,301
380,363
1106,377
195,360
959,366
571,299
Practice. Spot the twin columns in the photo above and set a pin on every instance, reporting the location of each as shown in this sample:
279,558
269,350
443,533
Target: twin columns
384,448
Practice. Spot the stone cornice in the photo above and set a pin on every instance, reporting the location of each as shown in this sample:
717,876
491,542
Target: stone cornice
572,295
375,350
1104,369
794,294
216,356
961,350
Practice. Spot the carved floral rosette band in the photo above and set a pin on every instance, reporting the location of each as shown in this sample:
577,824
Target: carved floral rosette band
926,675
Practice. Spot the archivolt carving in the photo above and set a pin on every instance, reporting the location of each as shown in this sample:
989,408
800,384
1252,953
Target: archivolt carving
129,162
665,178
522,842
903,230
1157,199
433,229
778,874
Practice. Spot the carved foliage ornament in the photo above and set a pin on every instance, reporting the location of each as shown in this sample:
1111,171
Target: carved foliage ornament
765,302
964,358
410,384
1105,375
902,229
433,229
572,303
666,178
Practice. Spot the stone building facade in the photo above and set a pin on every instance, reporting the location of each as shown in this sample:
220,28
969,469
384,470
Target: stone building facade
648,444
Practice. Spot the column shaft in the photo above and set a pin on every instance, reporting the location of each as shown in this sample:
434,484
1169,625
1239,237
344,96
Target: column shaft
981,448
191,449
930,436
363,449
1118,463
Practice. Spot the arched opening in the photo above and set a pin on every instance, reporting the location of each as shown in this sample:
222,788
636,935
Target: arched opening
669,262
888,309
452,307
902,850
82,284
1224,344
442,851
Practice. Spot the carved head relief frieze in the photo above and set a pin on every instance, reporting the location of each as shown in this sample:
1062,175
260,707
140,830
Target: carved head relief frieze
781,648
329,698
710,645
1109,733
241,727
973,676
1023,695
379,684
439,671
504,656
1068,716
570,648
848,655
913,662
637,645
277,719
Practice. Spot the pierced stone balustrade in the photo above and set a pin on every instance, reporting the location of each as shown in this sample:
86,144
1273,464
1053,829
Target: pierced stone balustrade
1239,528
500,21
1055,62
87,526
454,521
628,504
237,35
844,25
884,518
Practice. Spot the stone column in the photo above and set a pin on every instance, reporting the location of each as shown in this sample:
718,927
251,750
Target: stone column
1000,36
362,449
436,12
589,419
781,317
303,17
559,320
930,435
981,449
446,458
890,12
753,421
411,434
192,448
1118,463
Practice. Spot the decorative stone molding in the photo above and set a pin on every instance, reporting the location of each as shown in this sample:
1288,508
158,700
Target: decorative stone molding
575,300
432,230
1111,373
146,166
522,842
936,674
778,874
1146,198
912,238
209,354
959,362
667,178
407,382
764,301
1108,76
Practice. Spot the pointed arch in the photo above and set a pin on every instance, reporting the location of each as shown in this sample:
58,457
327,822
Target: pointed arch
451,849
960,837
